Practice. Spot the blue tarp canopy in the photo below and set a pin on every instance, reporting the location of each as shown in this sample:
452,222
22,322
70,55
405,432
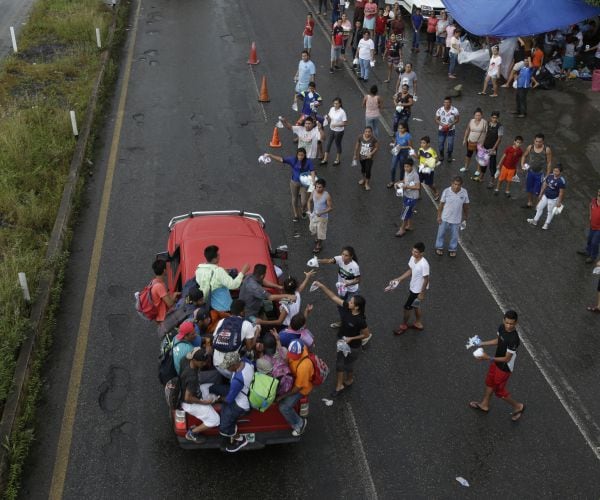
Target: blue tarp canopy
506,18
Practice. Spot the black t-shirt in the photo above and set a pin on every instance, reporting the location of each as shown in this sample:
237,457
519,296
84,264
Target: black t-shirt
188,378
507,341
352,324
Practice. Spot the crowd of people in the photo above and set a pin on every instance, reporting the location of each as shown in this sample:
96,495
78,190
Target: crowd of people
220,346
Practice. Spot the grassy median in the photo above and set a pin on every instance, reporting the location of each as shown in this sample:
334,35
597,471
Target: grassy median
53,73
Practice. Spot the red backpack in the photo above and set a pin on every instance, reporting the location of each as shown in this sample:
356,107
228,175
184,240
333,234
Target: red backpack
321,370
143,303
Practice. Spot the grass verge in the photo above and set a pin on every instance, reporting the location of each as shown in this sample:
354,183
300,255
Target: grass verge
53,73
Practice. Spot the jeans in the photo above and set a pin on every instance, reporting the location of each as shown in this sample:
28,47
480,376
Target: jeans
323,6
286,407
229,415
379,43
593,243
415,40
522,101
492,165
398,161
364,64
374,124
545,203
453,60
337,137
444,137
442,229
400,118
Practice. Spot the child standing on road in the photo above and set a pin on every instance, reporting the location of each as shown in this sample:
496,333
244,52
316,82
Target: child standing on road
508,165
428,160
319,205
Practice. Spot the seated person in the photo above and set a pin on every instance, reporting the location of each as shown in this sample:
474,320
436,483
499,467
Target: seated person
254,295
232,334
288,309
185,341
201,408
297,331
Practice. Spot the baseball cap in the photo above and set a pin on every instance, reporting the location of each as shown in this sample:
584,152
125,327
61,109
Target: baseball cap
185,328
230,358
295,349
264,365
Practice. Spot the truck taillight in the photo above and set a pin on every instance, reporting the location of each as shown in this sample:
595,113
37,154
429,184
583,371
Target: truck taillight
180,420
304,410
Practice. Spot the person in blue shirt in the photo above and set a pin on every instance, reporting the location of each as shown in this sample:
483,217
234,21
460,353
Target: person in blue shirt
311,100
417,22
525,81
301,165
551,196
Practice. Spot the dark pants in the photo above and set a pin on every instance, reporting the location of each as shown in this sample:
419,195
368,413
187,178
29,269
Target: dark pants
323,6
229,415
522,101
593,243
337,137
492,165
365,167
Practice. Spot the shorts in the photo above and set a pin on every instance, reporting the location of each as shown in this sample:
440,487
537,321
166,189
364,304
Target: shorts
346,363
412,296
409,205
307,42
336,52
471,148
441,40
534,182
426,178
393,60
369,24
301,87
497,380
506,174
318,226
205,413
431,37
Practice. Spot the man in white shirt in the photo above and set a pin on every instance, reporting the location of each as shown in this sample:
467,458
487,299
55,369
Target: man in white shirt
308,134
418,272
366,55
446,118
453,211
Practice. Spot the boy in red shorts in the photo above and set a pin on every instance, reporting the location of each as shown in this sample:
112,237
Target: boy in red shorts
508,165
502,365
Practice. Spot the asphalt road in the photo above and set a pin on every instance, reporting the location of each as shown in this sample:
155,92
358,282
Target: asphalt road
14,13
191,134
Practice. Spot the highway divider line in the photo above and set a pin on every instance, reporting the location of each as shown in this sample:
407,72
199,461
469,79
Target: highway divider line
61,462
571,402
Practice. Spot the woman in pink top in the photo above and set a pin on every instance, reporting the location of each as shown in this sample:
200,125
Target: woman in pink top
372,104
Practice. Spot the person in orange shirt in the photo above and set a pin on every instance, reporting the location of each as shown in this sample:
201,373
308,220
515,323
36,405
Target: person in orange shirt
162,299
302,370
537,58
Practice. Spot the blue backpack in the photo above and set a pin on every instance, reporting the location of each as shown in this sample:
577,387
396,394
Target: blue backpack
228,337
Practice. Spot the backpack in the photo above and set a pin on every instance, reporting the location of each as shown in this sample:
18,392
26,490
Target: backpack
321,369
228,337
166,367
174,318
173,393
263,390
143,303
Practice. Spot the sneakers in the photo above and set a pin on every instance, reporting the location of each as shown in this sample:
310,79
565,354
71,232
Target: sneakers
450,159
194,438
463,169
545,226
236,444
337,324
299,432
533,222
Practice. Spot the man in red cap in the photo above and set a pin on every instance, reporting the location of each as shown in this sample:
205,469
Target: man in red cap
302,370
184,343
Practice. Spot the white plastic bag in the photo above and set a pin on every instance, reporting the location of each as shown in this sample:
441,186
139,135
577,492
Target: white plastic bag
313,262
516,178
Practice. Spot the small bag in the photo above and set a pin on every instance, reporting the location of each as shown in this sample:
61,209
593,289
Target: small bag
471,146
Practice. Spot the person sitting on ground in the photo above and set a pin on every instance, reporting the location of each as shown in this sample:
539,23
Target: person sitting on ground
288,309
297,330
232,334
162,299
302,370
236,401
211,277
253,293
184,342
199,407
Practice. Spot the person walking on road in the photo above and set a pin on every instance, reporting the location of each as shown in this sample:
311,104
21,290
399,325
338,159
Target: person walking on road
403,102
491,143
493,72
502,365
411,188
537,160
551,197
304,75
393,55
452,213
454,51
337,42
319,205
400,150
446,117
300,164
508,165
525,81
596,308
418,272
366,55
338,120
307,34
416,20
372,105
365,149
474,136
407,77
353,330
593,239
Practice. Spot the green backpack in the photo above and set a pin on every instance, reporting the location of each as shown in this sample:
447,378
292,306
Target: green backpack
263,390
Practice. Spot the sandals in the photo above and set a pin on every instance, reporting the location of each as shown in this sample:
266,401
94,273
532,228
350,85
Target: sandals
593,309
317,249
389,185
476,406
415,327
481,93
439,251
452,254
435,198
516,416
336,162
323,162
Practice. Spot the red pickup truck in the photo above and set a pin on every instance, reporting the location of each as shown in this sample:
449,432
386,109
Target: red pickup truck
241,239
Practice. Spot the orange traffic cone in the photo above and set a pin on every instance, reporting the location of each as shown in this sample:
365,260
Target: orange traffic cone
253,59
264,93
275,142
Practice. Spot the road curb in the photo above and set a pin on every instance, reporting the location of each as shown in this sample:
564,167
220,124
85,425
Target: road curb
14,401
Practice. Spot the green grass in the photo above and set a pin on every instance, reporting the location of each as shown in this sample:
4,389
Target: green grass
53,73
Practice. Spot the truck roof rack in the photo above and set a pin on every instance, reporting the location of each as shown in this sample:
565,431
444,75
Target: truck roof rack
259,218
